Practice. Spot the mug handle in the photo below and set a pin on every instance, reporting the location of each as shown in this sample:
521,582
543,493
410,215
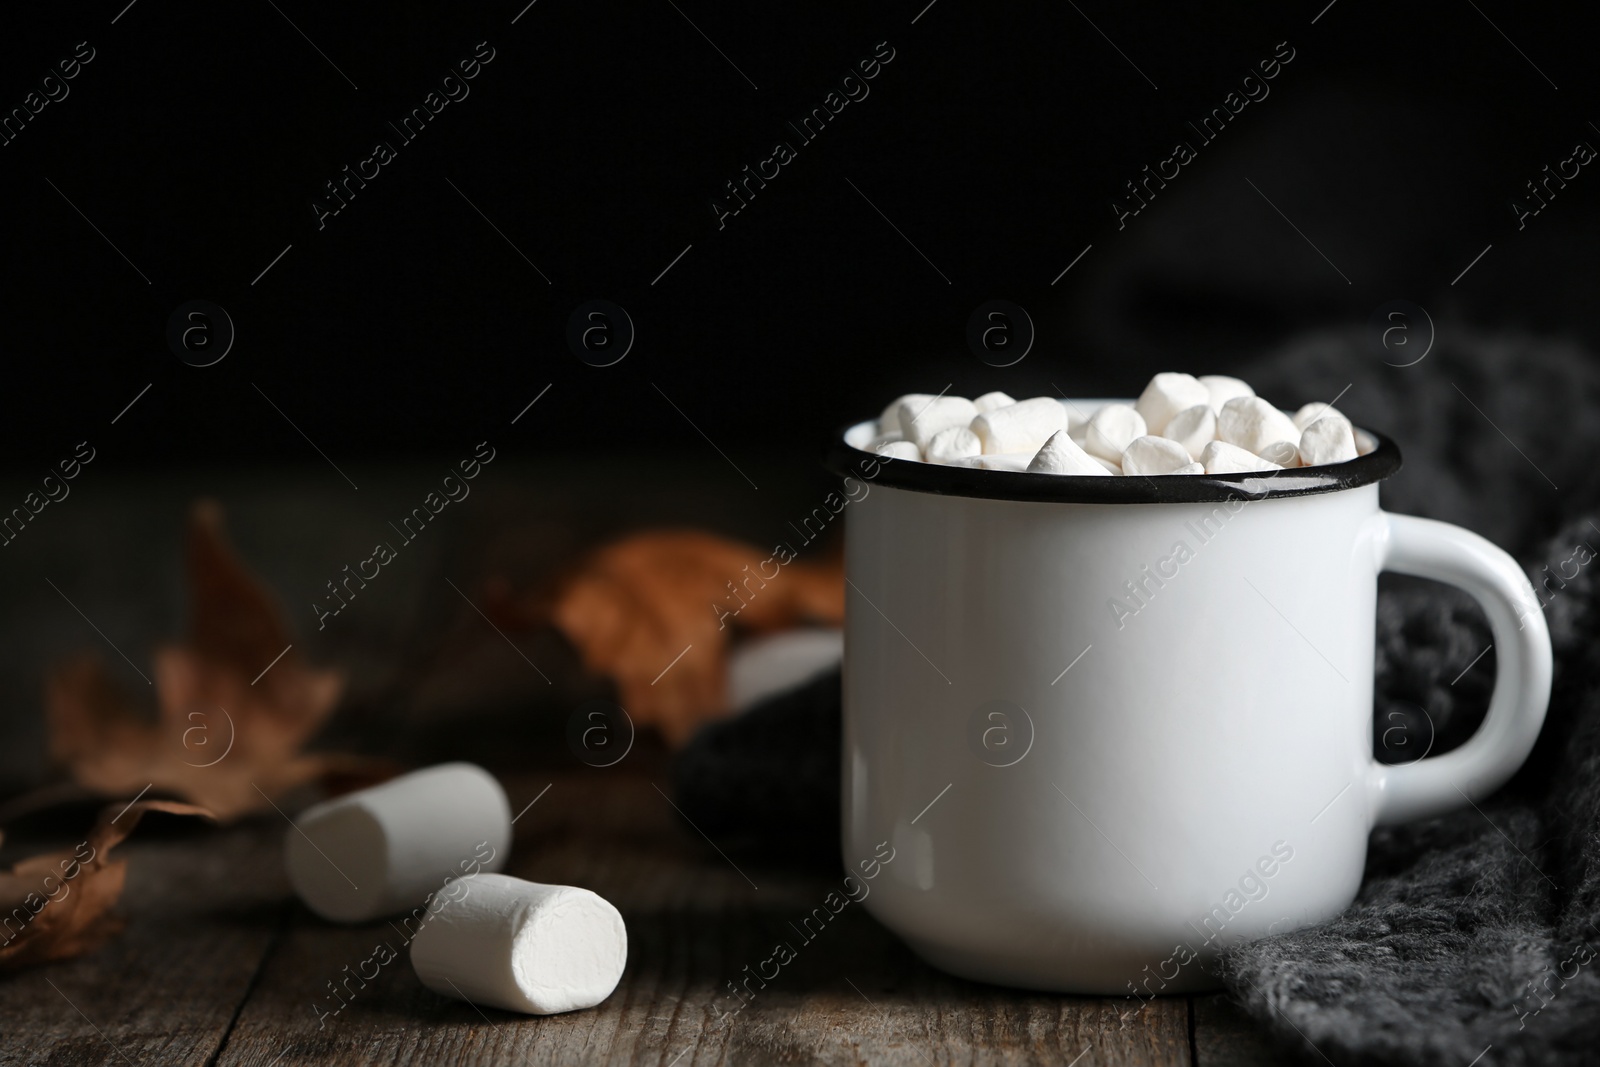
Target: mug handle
1446,553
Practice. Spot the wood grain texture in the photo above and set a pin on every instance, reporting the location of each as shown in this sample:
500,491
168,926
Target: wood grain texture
220,966
164,991
853,994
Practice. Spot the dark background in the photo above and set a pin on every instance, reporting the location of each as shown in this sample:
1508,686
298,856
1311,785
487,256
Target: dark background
995,140
382,348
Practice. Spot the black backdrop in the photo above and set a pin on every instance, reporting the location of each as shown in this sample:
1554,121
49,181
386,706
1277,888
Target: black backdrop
586,156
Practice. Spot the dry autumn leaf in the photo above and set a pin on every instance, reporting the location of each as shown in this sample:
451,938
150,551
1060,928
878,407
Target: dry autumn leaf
236,704
58,905
632,606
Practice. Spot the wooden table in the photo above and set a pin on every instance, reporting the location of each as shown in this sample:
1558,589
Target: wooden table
221,966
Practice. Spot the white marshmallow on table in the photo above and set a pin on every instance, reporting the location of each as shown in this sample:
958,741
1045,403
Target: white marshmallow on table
1110,467
1223,389
1220,457
889,421
1253,424
1330,439
1365,442
1155,455
991,401
898,450
1111,430
1022,426
1190,468
1193,428
921,419
383,850
951,444
1166,395
521,946
1313,411
1062,455
764,666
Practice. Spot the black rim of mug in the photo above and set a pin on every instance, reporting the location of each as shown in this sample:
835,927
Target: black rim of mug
919,477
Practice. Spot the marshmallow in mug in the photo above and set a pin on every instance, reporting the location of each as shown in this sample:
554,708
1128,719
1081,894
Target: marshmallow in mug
1167,394
1111,430
953,443
1023,426
1180,424
1062,455
921,420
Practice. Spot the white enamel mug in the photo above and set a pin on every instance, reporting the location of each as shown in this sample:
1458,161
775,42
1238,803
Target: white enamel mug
1113,725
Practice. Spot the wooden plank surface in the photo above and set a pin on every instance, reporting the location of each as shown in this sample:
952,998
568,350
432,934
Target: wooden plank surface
204,909
219,966
852,995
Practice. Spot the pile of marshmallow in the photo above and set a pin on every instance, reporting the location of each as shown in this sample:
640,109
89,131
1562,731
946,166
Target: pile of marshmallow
1179,425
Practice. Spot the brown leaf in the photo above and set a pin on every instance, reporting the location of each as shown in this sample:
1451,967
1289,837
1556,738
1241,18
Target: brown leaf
227,735
58,905
632,606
